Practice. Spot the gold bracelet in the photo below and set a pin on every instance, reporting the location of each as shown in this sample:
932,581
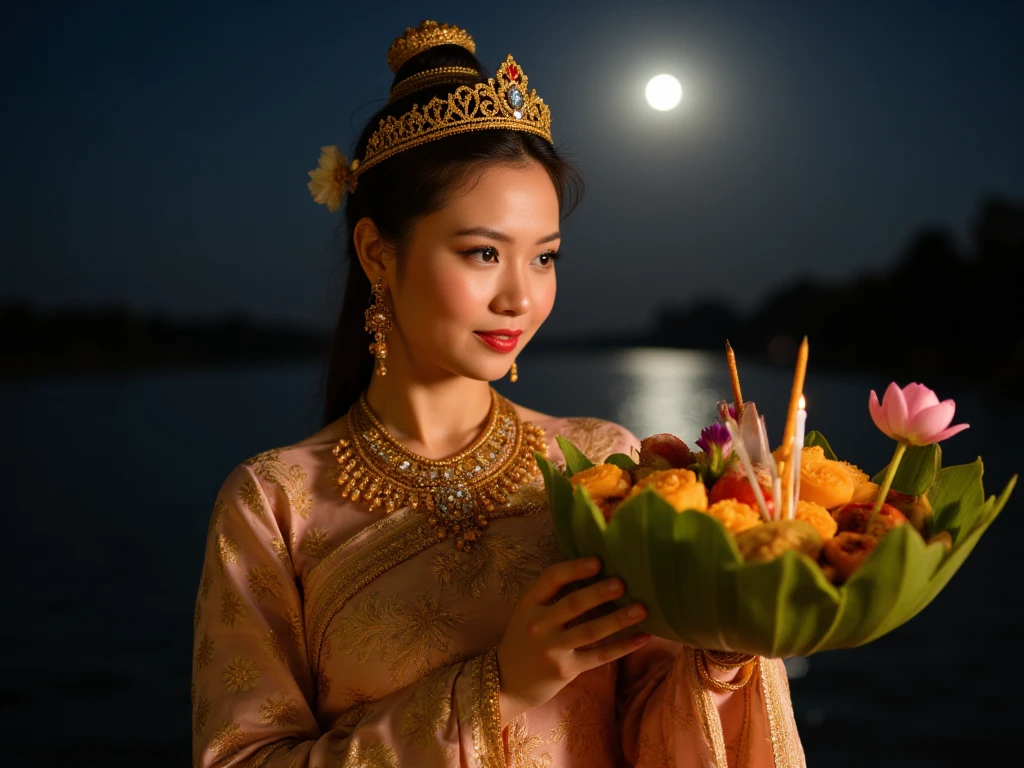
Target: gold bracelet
726,660
718,685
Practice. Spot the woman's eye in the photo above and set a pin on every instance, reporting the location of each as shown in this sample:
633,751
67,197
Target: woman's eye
547,259
485,255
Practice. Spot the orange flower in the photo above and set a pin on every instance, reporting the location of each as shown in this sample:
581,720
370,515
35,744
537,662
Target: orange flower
816,454
603,481
679,487
735,515
823,481
818,516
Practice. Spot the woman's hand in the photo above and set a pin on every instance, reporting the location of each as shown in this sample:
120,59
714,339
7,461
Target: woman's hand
538,655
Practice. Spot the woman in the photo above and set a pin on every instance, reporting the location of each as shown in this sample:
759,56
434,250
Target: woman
386,592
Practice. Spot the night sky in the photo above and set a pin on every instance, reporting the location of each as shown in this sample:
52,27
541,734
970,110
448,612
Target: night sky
155,154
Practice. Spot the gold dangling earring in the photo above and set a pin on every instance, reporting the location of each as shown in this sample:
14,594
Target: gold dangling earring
378,322
513,375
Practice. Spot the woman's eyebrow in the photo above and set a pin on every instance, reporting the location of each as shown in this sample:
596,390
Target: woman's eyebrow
501,237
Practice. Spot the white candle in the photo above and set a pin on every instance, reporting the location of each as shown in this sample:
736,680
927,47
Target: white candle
798,449
748,467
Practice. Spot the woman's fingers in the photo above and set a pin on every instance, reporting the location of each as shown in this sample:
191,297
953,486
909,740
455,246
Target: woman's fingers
598,629
578,602
554,577
602,654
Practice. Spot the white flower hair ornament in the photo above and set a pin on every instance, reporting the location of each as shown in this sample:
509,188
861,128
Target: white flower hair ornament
332,178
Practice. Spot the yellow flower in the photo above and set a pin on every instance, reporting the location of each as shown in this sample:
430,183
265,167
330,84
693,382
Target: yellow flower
818,516
603,481
329,179
734,515
679,487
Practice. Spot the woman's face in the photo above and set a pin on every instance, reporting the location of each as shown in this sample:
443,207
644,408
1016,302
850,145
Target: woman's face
478,277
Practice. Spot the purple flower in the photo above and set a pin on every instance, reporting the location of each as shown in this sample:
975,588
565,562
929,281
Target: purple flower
715,434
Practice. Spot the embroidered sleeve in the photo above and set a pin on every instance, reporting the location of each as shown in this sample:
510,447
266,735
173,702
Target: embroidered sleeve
254,695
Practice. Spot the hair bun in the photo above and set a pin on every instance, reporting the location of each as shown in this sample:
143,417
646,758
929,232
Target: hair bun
427,35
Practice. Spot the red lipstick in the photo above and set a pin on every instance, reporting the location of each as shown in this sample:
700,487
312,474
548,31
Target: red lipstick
501,340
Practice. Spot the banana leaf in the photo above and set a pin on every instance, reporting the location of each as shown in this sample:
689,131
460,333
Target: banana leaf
686,569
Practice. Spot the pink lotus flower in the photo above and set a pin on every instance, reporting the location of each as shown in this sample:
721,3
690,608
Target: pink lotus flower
913,415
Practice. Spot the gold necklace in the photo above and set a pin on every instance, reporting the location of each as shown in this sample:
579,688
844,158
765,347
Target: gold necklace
378,470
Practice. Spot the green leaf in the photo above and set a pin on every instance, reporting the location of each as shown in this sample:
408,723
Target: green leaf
917,471
638,524
813,438
957,499
622,461
560,503
575,461
786,604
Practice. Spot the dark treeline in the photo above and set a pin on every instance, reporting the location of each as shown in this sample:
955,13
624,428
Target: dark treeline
84,339
944,311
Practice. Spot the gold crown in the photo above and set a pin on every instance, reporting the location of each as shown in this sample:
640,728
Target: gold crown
426,35
502,102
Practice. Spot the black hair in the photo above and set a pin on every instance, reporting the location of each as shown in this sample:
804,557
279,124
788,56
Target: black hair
407,186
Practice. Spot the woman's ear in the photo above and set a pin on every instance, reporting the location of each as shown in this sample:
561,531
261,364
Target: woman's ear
373,252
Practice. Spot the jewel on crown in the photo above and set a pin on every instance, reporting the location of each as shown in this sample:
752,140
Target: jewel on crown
504,101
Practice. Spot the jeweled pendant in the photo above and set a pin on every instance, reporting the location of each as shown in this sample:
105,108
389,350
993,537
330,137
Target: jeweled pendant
515,98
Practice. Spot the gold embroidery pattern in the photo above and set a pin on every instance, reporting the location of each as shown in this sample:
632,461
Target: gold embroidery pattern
403,633
227,551
333,581
428,709
290,479
595,437
192,693
262,757
315,543
205,583
375,755
546,550
329,589
227,740
521,746
711,723
281,550
531,500
295,626
485,712
219,508
200,714
279,709
197,613
231,608
263,582
204,653
579,724
786,748
240,674
273,644
358,709
496,557
251,497
654,755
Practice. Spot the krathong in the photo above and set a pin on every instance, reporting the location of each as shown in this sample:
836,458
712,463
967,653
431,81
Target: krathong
780,552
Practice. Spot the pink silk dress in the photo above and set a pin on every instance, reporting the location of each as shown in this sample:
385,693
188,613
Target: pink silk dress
329,635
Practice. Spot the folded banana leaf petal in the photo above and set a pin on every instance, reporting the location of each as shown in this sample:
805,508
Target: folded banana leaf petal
685,567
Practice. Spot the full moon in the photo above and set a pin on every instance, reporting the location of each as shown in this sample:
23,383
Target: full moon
663,92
